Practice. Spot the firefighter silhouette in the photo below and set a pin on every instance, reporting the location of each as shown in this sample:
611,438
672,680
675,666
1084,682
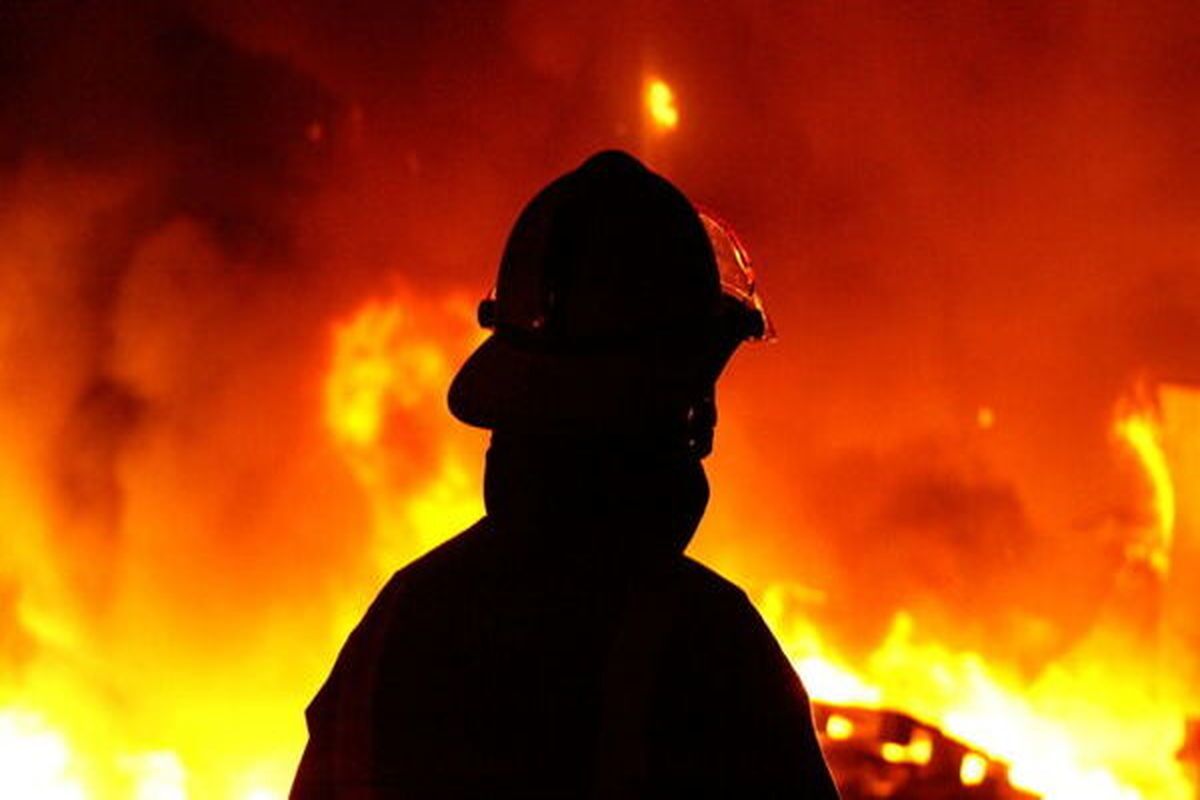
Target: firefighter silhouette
563,646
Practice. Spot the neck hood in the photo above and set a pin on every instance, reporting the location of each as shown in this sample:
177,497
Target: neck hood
602,497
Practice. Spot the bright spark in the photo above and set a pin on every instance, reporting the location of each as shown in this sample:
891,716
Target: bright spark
660,104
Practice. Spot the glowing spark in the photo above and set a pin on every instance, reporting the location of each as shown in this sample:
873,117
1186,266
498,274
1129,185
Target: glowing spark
1141,432
973,770
919,751
839,727
985,418
660,103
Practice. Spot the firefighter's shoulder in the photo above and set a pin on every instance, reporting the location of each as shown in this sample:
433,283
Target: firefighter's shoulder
437,567
706,586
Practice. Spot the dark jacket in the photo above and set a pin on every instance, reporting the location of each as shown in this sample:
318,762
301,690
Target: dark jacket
564,647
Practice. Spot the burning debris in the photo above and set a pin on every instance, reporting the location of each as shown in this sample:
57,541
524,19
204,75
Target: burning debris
886,754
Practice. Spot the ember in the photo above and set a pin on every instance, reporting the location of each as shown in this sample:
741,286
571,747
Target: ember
660,103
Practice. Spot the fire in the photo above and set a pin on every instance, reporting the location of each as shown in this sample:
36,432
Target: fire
35,761
199,731
660,104
1141,430
387,365
1066,735
374,371
157,776
1101,722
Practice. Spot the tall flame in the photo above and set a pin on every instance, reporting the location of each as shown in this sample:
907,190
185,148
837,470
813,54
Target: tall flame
390,363
1141,430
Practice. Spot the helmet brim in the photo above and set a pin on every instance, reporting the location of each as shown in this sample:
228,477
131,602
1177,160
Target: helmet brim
505,386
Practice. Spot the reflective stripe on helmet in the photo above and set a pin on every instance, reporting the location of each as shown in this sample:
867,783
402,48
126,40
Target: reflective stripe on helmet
737,276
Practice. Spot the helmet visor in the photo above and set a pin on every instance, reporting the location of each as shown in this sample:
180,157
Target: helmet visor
737,276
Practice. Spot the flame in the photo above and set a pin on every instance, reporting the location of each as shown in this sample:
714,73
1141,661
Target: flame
383,413
1067,735
387,364
935,239
1141,431
374,370
35,761
660,105
157,776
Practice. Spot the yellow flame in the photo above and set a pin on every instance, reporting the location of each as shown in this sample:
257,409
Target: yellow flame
660,104
262,794
385,362
35,761
1066,734
157,776
1141,431
372,371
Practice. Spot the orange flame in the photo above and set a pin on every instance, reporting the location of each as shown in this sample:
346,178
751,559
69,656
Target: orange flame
1066,733
1141,430
386,364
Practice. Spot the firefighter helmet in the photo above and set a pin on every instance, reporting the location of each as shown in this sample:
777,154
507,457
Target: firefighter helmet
616,306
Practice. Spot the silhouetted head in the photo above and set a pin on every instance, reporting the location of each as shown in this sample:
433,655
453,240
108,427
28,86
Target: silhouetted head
616,307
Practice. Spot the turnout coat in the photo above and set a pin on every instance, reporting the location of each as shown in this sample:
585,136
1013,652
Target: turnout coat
510,664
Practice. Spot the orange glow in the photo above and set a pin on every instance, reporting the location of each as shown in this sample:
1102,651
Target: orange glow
985,418
660,105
